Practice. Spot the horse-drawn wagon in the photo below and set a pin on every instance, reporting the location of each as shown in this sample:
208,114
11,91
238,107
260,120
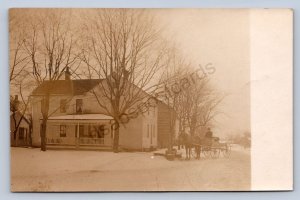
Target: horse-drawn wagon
211,147
207,147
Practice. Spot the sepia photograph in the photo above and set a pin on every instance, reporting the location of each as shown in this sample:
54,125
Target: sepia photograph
130,100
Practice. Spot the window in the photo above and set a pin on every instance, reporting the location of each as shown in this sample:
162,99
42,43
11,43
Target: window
21,133
63,132
63,105
79,106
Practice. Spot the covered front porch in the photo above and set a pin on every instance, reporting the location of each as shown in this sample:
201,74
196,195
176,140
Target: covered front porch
84,131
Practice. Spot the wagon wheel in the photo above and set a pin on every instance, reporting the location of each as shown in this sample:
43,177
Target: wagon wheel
226,151
193,153
206,152
215,153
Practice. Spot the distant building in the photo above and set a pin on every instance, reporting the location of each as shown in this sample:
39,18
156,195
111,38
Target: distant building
77,121
164,127
21,136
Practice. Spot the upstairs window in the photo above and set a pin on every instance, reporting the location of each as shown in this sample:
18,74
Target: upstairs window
63,105
79,106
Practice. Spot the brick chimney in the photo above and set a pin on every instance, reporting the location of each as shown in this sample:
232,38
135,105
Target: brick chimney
67,74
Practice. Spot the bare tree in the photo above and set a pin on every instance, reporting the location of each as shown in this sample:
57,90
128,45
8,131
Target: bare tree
190,95
19,75
202,105
50,45
18,58
122,47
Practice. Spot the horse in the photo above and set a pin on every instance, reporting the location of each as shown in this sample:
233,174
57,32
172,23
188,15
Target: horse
188,143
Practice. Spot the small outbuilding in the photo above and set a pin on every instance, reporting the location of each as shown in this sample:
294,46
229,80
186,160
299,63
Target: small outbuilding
19,130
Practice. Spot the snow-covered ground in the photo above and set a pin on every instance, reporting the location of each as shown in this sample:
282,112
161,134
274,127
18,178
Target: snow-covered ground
66,170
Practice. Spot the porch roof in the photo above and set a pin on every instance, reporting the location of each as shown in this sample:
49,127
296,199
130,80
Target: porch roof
82,117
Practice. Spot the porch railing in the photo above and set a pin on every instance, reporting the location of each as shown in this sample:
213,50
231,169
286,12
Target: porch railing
61,141
54,141
91,141
80,141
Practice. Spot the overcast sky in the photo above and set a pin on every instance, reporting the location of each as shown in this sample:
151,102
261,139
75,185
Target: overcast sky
220,37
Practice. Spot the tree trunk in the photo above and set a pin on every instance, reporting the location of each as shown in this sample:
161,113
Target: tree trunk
116,138
180,131
15,138
15,130
180,124
172,129
45,110
170,135
193,125
116,129
43,135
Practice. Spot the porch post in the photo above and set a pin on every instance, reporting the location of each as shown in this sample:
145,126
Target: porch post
77,136
77,132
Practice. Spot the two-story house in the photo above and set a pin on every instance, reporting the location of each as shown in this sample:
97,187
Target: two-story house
76,120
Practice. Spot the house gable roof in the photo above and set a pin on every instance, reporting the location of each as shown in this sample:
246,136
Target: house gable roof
66,87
